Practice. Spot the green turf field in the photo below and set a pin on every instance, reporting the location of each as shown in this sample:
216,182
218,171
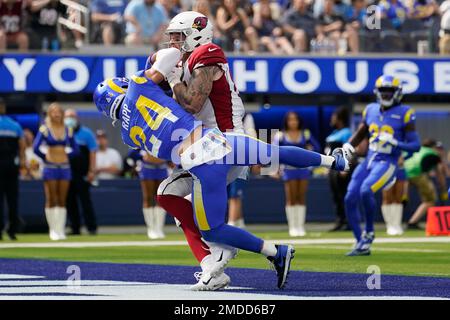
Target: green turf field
424,259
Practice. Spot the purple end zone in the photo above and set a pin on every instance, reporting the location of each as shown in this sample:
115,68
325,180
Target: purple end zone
305,284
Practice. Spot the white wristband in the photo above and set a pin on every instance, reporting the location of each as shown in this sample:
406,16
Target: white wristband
348,149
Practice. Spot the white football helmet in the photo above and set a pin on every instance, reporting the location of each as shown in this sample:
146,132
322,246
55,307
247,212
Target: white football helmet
195,26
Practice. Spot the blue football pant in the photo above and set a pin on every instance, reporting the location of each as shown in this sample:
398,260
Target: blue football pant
209,190
365,183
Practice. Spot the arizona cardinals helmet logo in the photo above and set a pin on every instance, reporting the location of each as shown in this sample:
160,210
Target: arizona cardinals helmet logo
200,23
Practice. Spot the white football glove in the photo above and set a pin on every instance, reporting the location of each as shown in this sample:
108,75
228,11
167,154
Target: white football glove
174,77
387,138
165,60
349,150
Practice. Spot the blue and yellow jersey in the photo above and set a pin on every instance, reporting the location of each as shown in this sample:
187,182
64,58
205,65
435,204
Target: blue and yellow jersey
151,120
391,121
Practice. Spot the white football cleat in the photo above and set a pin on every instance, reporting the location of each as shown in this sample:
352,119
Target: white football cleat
208,283
220,256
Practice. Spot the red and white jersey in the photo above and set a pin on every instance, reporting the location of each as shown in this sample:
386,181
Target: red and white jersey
11,16
223,108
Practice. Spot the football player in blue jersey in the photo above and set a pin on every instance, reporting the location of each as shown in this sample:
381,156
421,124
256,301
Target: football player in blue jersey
152,121
390,127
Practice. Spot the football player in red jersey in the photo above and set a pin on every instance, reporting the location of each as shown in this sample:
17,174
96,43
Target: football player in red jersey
201,84
11,24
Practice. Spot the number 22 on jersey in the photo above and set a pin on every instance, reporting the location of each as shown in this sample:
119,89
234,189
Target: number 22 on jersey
377,145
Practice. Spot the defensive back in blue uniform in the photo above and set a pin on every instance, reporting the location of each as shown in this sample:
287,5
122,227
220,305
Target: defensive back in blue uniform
151,120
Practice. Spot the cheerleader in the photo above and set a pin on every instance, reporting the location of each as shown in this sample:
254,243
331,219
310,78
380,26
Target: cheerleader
151,172
56,173
295,180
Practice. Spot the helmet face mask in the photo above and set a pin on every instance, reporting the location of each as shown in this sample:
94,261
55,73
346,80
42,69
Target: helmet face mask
176,39
386,96
388,91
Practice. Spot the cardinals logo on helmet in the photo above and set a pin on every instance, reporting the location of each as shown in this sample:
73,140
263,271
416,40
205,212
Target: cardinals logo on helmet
200,23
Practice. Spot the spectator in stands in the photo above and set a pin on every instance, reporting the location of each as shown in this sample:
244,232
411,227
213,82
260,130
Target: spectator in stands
393,10
295,180
299,24
44,16
107,20
359,14
12,158
270,31
343,9
330,25
12,21
33,163
235,23
171,7
83,175
146,22
275,9
356,22
423,10
444,33
77,17
108,160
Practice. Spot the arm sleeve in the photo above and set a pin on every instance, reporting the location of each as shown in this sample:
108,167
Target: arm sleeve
37,143
148,63
411,143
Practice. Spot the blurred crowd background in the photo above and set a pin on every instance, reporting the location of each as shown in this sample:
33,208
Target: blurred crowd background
249,26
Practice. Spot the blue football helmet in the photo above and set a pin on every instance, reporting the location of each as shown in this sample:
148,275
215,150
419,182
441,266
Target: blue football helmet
109,95
388,90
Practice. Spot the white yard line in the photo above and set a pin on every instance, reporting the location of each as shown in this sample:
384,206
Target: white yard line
182,242
378,249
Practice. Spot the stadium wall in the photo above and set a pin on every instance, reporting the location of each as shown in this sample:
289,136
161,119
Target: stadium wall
118,202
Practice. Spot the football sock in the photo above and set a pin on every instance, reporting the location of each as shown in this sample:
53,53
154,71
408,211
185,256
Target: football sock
181,209
234,237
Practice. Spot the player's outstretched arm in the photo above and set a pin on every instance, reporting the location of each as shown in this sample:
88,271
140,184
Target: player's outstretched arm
192,96
356,139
